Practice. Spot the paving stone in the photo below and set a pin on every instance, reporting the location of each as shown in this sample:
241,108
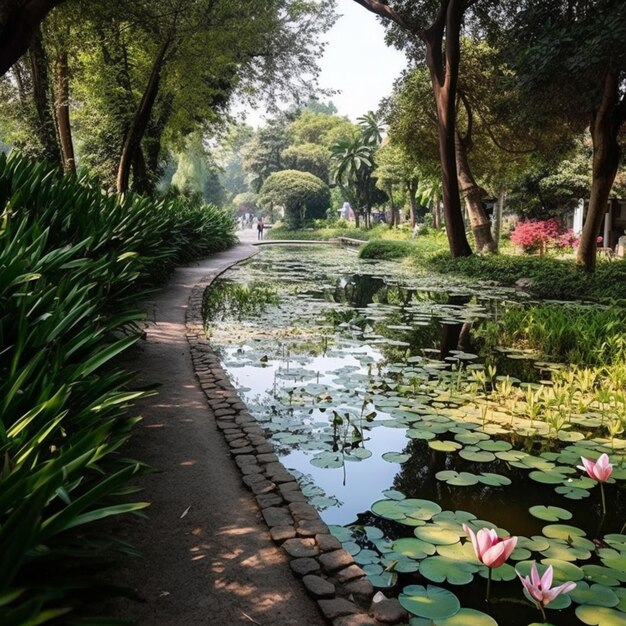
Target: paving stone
256,441
303,511
239,443
282,533
337,559
358,619
264,448
282,477
246,450
318,587
304,566
299,548
389,611
361,589
337,607
260,488
245,459
267,458
254,479
327,542
310,528
269,499
349,573
276,516
294,496
222,412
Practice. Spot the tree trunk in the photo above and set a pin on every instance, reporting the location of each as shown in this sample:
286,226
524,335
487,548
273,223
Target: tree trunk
473,196
444,71
41,94
135,133
393,221
497,222
19,21
605,126
62,112
411,190
437,213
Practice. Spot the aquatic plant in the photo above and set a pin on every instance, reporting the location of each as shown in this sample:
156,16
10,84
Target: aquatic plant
600,471
540,589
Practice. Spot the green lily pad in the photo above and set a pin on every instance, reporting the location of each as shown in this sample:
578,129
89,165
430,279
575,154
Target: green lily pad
341,533
413,548
562,531
597,595
495,445
456,479
504,572
494,480
565,552
438,535
468,617
549,513
420,433
548,477
472,453
365,557
384,580
511,455
430,602
573,493
444,446
440,569
328,460
396,457
536,543
394,494
600,616
603,575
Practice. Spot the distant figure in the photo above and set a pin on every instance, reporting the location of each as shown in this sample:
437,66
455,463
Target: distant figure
259,227
345,211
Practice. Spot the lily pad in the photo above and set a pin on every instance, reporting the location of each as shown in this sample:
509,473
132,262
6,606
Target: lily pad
396,457
441,569
430,602
600,616
548,477
328,460
549,513
562,531
472,453
438,535
444,446
597,595
456,479
413,548
468,617
494,480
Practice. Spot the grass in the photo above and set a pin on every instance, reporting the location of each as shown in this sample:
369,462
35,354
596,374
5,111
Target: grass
338,229
74,263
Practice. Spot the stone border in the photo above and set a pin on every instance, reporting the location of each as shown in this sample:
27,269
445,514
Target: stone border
328,572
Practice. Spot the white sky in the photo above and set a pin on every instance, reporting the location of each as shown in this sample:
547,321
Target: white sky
356,63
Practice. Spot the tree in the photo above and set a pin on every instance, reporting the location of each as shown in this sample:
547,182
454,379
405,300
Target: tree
302,195
573,57
440,34
19,23
308,157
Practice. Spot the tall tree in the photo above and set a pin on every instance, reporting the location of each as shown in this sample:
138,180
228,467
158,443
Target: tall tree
440,34
572,55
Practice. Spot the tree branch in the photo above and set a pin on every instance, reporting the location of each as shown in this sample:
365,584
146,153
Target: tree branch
383,10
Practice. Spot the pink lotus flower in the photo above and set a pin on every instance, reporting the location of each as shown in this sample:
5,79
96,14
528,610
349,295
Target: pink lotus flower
489,548
540,589
599,470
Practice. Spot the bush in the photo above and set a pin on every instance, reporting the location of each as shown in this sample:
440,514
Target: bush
73,264
304,196
551,278
386,249
536,235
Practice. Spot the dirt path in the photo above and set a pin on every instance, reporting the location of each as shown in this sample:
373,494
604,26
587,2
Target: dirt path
207,555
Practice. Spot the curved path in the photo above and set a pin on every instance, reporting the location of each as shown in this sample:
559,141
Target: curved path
207,554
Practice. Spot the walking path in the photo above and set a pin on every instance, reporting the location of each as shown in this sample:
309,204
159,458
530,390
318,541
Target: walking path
207,554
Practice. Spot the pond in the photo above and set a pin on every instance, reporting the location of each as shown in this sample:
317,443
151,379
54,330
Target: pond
386,397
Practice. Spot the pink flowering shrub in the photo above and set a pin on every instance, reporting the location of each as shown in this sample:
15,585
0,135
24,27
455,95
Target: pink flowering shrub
537,235
567,240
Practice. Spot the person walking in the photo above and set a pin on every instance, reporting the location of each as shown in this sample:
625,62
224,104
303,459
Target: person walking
259,227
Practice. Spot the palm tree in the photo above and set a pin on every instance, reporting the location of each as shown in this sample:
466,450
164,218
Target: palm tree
352,166
371,129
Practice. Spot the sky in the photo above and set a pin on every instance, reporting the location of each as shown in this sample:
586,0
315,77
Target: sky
356,63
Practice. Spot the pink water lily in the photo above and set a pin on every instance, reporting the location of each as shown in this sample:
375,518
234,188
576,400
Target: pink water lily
541,589
489,548
599,470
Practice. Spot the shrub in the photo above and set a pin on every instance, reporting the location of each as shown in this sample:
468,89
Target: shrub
386,249
73,264
303,195
536,235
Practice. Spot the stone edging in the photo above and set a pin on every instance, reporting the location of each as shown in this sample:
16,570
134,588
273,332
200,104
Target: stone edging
328,572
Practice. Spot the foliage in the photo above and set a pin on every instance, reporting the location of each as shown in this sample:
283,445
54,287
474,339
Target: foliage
536,235
382,249
578,334
551,278
303,196
73,264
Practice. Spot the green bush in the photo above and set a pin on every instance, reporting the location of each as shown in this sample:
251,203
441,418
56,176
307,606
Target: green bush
303,196
73,264
386,249
551,278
